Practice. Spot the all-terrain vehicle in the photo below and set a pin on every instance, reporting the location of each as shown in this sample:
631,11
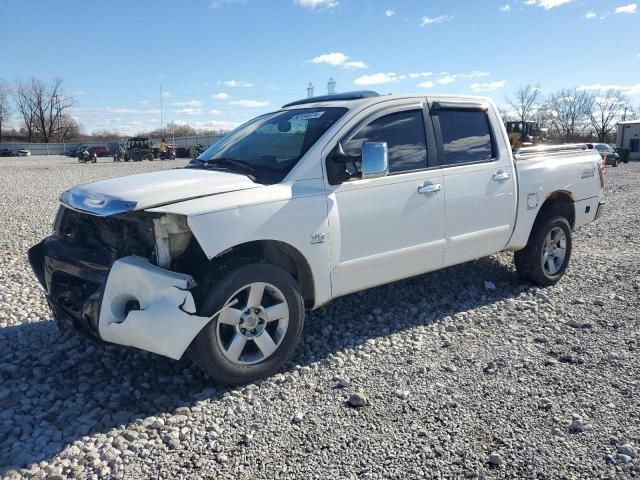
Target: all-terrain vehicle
138,149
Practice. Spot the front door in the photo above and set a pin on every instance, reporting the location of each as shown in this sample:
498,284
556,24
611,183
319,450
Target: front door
392,227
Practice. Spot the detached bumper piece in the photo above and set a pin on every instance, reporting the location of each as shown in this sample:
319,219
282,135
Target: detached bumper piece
600,210
127,301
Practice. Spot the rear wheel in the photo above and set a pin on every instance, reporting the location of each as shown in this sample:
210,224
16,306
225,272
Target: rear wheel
258,327
546,257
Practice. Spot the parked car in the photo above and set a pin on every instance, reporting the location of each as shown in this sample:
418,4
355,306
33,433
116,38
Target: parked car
609,155
100,150
6,152
24,153
75,152
322,198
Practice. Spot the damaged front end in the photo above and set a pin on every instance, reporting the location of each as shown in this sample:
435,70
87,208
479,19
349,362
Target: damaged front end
122,278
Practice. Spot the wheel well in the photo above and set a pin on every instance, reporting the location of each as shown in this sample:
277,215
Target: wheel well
558,203
280,254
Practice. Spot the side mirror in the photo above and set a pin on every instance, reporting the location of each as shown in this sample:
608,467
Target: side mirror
375,160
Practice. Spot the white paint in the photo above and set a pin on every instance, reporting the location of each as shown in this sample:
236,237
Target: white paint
160,326
377,230
167,186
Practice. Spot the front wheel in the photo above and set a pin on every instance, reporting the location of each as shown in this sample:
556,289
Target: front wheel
546,257
258,327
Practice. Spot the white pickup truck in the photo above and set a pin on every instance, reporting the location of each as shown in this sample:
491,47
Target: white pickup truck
324,197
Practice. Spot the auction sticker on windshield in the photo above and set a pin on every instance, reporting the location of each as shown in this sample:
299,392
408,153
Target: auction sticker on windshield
306,116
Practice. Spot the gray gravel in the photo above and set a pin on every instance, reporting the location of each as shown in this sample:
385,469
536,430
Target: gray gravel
465,373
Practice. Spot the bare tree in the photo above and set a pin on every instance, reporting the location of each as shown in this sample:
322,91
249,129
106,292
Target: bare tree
5,107
41,107
605,111
26,110
571,112
69,128
504,114
524,102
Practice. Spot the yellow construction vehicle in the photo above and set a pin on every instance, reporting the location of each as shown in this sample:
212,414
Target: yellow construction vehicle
524,134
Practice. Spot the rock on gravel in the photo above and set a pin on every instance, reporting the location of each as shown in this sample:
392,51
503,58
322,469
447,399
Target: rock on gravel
357,400
514,375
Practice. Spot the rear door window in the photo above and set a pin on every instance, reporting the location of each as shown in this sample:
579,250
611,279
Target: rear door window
466,136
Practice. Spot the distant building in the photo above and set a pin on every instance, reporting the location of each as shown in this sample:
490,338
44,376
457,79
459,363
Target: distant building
310,90
629,137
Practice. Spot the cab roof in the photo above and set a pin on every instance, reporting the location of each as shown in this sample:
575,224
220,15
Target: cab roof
368,97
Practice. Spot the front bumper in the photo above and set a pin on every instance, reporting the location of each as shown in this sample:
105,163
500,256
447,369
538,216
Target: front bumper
125,301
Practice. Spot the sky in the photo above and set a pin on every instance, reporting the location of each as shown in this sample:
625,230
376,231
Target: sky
219,63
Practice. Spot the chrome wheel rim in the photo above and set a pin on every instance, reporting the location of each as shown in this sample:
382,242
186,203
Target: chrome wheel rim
253,323
554,251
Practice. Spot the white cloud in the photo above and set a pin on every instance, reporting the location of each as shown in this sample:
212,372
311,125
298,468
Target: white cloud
214,112
590,14
475,74
338,59
489,86
420,74
221,96
189,103
122,110
249,103
629,8
626,89
447,79
431,20
505,8
214,124
427,84
389,13
318,4
378,79
236,83
189,111
166,94
547,4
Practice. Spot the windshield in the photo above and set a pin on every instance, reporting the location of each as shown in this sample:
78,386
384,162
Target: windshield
268,147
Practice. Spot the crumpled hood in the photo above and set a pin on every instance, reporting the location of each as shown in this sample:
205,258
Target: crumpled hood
138,192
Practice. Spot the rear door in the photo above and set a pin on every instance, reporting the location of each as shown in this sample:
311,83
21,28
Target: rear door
478,180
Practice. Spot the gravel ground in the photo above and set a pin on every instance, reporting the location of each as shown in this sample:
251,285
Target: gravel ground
463,373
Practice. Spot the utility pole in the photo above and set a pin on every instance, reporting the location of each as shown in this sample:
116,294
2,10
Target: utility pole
160,109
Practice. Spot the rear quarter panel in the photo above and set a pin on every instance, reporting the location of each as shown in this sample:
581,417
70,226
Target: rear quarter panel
575,174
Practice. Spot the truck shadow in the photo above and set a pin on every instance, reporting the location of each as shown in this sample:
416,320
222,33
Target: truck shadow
56,387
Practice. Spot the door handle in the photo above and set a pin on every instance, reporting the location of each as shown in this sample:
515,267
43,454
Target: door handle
501,176
429,188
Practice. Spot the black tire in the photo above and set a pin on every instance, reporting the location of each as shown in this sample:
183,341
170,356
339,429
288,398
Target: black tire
150,157
205,350
616,162
528,261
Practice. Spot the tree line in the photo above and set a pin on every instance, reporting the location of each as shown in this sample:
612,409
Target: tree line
42,111
572,114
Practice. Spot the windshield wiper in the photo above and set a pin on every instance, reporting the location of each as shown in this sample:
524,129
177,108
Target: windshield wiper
229,162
